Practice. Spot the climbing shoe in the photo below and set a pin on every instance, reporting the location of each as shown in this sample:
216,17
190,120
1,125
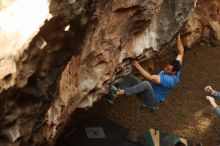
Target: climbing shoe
113,90
154,109
112,94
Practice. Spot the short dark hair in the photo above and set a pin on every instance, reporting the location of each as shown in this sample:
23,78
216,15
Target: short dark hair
176,65
179,144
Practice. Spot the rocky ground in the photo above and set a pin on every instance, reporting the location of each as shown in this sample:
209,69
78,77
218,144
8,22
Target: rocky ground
186,112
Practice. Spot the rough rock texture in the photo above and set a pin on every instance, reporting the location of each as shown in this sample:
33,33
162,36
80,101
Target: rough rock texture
68,59
203,26
108,43
31,68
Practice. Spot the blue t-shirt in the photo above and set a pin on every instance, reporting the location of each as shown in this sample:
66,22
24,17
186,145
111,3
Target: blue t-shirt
167,82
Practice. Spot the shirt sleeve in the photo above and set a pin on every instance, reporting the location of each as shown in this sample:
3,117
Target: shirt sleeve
217,111
216,94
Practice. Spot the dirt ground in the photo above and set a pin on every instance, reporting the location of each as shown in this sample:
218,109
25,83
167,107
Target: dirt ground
185,113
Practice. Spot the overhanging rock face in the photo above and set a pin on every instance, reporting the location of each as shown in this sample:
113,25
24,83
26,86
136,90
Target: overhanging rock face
145,25
118,30
31,68
16,33
68,58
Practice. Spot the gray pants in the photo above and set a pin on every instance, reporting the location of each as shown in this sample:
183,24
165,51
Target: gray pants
142,89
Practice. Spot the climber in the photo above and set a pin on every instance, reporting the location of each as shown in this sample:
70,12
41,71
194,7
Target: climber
155,88
216,94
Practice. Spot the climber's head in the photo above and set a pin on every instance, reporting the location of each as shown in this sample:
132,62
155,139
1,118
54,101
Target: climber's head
173,67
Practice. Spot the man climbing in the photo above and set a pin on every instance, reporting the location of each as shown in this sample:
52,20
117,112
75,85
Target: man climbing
216,94
155,88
